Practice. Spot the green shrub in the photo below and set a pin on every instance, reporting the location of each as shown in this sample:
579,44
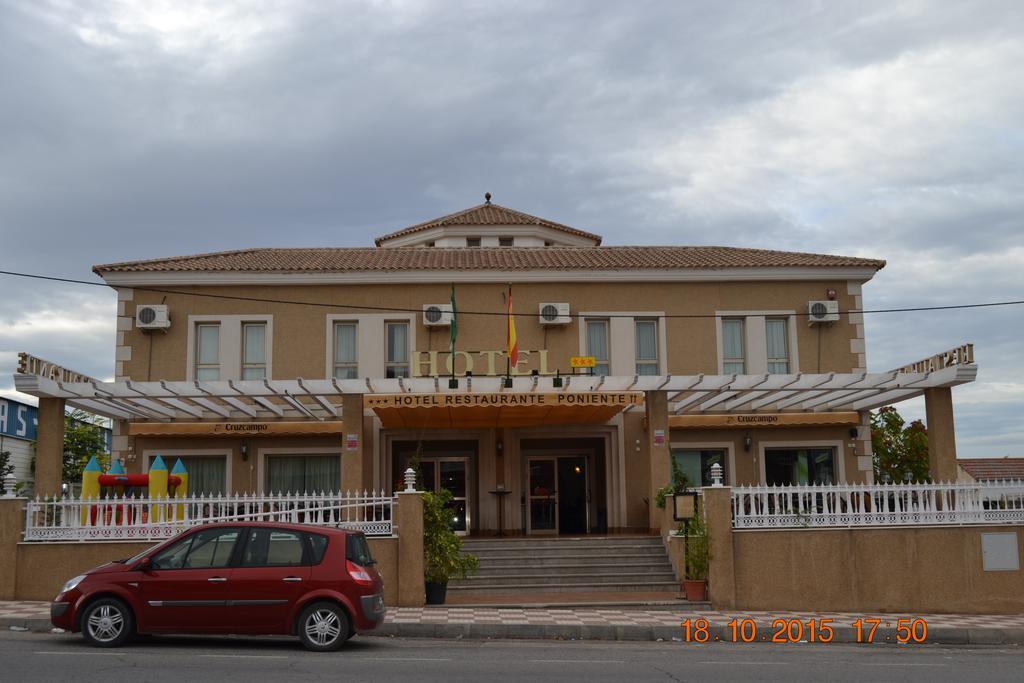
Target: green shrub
442,548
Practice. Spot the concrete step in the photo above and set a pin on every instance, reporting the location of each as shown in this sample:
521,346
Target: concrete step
562,554
531,542
597,578
497,589
563,568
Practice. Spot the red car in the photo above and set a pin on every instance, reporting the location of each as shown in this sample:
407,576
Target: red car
232,577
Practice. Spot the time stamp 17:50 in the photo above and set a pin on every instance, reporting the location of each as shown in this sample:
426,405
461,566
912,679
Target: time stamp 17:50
792,630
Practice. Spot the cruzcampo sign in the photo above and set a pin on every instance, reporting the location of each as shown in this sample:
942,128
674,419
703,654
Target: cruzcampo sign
498,400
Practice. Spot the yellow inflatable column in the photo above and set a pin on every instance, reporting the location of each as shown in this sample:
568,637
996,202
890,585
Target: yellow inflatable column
181,490
157,489
90,486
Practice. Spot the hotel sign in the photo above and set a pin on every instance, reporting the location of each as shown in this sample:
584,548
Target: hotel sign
961,355
501,400
30,365
582,362
237,429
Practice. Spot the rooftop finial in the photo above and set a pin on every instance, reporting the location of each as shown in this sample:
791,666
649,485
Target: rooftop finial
487,197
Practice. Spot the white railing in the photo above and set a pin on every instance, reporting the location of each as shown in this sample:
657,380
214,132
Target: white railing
108,519
877,505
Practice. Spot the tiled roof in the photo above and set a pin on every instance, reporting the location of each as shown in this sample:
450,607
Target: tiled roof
991,469
487,214
332,260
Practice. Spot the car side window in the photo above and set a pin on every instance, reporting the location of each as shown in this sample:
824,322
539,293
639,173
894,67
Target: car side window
318,546
274,548
208,549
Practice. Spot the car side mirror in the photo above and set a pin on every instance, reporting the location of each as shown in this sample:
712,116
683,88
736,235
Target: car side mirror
143,564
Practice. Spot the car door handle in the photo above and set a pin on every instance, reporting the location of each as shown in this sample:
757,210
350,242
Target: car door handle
217,579
292,579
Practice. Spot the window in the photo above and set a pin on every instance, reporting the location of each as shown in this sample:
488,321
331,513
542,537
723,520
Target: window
472,241
254,350
207,351
647,347
597,345
800,466
206,474
505,241
303,473
274,548
397,363
346,365
696,465
732,346
357,550
548,244
318,546
778,348
207,549
430,243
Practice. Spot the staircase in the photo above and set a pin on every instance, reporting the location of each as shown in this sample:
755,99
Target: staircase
567,565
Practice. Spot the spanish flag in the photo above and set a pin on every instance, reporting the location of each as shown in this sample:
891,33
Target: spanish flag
513,342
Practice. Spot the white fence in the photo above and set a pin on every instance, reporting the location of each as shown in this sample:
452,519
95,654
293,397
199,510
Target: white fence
877,505
108,519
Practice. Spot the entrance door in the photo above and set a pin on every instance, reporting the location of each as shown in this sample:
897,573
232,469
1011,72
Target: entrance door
572,495
451,474
558,495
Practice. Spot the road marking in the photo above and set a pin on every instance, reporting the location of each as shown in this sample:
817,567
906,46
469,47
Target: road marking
579,661
898,664
406,659
98,654
246,656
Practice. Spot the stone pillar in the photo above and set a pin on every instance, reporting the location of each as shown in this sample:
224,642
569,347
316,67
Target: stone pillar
50,446
938,405
409,523
722,569
656,404
12,524
352,461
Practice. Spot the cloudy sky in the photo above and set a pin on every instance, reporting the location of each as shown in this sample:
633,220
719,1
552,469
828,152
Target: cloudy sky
885,129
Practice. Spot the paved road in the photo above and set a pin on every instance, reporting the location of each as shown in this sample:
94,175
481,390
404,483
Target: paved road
48,657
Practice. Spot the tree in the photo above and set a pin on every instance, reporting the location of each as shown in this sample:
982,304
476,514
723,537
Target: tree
900,450
5,468
82,440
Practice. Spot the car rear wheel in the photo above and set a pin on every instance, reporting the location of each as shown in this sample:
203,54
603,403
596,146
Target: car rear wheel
323,627
107,623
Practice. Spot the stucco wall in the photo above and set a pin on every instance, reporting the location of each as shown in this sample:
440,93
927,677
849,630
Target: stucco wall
42,568
923,570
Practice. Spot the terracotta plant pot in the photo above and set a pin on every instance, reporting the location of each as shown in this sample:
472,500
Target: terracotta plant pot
436,592
696,591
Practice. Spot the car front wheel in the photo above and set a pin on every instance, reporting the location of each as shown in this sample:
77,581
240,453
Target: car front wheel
107,623
323,627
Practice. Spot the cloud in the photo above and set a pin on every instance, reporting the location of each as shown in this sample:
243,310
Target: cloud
884,129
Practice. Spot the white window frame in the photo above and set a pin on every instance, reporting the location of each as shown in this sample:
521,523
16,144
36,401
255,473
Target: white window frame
622,338
408,352
742,359
334,351
608,341
840,452
262,453
171,454
266,345
656,361
755,339
768,359
371,341
728,446
230,343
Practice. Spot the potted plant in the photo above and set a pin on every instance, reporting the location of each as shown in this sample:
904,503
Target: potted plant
442,557
698,556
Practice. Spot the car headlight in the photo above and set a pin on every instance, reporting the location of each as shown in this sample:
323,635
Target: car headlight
72,583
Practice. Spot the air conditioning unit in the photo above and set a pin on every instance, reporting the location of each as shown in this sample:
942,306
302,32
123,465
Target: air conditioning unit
152,317
437,315
822,312
555,314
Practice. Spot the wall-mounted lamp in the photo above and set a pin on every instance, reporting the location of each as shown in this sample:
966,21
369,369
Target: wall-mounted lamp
244,450
499,447
854,432
453,383
747,442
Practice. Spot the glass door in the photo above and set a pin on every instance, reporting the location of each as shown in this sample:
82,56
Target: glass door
543,496
451,474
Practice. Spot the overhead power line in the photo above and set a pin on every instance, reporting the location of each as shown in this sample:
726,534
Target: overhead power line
392,309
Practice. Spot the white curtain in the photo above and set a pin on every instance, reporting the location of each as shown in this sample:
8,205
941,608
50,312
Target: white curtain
778,354
345,343
303,474
255,344
732,346
398,343
597,344
206,474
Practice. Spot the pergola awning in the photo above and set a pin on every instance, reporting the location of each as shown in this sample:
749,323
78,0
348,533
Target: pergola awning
320,400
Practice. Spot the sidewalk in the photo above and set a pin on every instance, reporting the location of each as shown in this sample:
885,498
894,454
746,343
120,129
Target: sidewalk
623,624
